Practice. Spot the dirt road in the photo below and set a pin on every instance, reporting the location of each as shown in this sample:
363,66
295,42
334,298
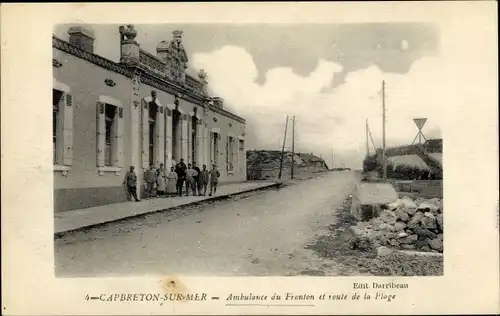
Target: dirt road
264,234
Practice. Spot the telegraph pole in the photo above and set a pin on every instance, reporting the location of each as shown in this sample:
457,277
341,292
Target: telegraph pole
332,160
367,147
283,149
384,163
293,144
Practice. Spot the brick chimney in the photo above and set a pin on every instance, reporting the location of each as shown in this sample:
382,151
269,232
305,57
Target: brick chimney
82,38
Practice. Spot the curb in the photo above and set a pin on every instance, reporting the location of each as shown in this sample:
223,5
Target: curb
210,199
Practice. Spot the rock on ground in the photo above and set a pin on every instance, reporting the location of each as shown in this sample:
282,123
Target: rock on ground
439,220
428,222
408,203
402,215
388,217
415,220
384,251
428,207
399,226
436,244
411,211
409,240
424,232
413,228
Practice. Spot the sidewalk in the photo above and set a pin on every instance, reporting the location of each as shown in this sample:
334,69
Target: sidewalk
76,219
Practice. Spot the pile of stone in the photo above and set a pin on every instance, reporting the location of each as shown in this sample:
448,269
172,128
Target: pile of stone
407,224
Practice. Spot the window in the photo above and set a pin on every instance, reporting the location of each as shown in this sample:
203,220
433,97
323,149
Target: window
215,147
110,113
56,100
62,127
230,153
153,109
193,138
110,131
241,157
176,134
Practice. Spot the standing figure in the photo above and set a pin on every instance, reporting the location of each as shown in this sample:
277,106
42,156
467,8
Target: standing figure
214,179
190,180
180,169
204,178
130,182
161,176
150,179
172,182
197,178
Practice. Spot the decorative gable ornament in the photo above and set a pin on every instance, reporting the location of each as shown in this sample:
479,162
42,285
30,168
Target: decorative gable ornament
173,54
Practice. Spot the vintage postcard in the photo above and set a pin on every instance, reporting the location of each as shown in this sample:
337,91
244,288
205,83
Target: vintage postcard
250,158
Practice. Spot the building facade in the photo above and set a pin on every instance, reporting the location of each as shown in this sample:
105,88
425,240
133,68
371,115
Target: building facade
142,110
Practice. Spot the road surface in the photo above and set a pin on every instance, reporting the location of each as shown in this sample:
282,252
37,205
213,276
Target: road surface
264,234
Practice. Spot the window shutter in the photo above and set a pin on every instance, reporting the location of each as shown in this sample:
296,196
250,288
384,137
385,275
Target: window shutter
198,149
119,156
211,147
160,136
101,133
169,140
67,108
227,153
184,138
232,153
145,134
189,138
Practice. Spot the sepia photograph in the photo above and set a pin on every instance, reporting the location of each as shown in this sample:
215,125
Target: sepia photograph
250,158
248,150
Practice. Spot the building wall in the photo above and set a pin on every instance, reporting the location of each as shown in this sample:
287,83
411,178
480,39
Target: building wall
82,186
236,129
221,124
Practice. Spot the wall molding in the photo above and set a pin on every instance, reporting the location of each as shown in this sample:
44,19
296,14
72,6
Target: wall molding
93,58
109,169
110,100
60,86
63,169
157,102
146,76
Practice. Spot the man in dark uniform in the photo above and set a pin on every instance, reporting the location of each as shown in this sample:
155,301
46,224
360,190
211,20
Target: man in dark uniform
197,177
180,169
130,182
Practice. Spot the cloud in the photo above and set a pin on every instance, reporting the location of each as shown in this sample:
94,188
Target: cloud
327,119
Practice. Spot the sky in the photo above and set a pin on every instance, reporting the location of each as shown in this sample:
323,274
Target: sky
328,75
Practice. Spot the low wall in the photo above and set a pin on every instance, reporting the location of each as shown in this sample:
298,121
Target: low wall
418,188
73,199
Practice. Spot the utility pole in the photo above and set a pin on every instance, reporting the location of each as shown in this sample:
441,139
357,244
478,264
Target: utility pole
283,149
384,162
367,147
293,145
332,160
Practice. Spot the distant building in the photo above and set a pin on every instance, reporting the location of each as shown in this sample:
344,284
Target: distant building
145,109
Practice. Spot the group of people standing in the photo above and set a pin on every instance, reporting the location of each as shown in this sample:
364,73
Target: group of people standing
172,183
